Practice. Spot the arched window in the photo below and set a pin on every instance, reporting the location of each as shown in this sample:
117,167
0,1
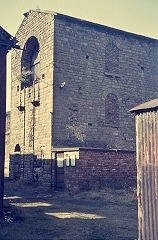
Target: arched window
112,110
30,67
17,148
111,59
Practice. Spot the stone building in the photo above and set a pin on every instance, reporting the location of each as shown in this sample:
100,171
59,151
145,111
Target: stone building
73,83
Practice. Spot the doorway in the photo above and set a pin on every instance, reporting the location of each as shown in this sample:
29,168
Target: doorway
60,171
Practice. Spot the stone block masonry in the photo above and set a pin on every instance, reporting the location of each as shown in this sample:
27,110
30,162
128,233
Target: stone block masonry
31,105
73,84
105,71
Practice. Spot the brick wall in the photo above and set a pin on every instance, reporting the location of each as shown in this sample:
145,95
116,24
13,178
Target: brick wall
99,168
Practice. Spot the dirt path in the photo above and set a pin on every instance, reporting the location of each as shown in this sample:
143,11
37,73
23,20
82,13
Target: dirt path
39,214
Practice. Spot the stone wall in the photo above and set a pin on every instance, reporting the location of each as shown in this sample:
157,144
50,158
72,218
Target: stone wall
89,76
105,73
83,80
31,106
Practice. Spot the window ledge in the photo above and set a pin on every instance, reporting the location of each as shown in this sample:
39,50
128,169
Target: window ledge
112,75
36,103
21,108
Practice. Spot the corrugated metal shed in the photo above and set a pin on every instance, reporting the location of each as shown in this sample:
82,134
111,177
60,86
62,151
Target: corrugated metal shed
147,168
151,105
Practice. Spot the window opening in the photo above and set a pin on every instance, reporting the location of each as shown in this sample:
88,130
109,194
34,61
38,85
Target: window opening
17,148
111,59
112,110
30,63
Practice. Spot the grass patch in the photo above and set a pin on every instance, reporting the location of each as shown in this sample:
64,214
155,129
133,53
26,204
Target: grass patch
108,214
109,195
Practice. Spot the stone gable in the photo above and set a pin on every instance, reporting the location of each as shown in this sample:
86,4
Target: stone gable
73,84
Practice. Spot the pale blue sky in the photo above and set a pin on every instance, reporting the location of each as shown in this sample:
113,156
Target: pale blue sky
137,16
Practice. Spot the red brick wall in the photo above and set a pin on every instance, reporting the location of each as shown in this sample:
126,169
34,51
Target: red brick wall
96,169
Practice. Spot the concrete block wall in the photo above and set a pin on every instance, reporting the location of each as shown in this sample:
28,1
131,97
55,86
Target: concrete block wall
27,173
29,169
47,173
15,166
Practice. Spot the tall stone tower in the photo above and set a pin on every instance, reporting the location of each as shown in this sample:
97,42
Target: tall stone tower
73,83
32,85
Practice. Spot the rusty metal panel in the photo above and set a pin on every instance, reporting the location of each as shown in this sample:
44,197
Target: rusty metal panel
147,174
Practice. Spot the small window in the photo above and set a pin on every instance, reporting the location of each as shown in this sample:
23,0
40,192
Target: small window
112,110
60,159
111,59
73,160
17,148
60,163
67,160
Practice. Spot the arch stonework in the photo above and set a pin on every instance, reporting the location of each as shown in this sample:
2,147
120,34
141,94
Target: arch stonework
30,63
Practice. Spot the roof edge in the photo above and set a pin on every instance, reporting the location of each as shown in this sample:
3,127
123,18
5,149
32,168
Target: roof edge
89,23
71,149
150,105
101,26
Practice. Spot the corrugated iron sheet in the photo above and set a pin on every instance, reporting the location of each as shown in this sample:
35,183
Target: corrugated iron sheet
147,174
146,106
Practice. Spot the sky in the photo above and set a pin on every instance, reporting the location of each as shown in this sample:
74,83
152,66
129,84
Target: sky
136,16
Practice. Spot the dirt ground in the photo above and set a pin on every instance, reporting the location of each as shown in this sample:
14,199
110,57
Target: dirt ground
34,213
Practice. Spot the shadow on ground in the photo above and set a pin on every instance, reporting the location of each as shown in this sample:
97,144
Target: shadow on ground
39,214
